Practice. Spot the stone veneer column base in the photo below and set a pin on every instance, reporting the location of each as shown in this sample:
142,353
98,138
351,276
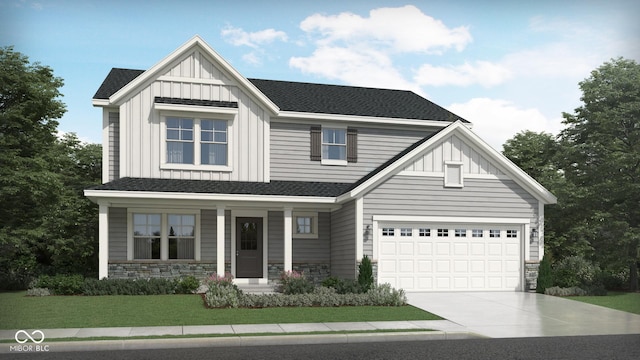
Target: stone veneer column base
531,275
314,272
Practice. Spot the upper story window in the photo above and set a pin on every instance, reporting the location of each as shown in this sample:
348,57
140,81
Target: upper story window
196,141
334,144
213,142
179,140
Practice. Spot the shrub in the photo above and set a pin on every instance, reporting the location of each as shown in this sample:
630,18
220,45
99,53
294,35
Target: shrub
153,286
385,295
38,292
215,279
567,291
575,271
365,274
545,276
331,282
615,279
293,282
61,284
187,285
222,292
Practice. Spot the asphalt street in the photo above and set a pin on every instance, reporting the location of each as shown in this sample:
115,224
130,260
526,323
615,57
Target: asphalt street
583,347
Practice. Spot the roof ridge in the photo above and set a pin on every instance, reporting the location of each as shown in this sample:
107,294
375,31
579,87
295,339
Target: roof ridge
337,85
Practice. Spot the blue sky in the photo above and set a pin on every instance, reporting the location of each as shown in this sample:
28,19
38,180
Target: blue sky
506,66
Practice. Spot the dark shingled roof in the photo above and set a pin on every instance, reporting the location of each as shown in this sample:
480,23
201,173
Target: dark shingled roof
115,81
321,98
282,188
351,100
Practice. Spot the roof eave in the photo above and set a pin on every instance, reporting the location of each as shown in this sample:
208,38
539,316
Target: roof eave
294,115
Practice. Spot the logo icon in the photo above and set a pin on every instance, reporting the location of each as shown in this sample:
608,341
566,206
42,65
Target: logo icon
29,336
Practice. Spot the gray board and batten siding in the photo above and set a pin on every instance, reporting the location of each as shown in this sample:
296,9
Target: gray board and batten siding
291,152
114,146
426,196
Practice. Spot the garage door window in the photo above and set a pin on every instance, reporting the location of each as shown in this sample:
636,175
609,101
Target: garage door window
494,233
388,231
512,233
461,232
405,232
425,232
476,233
443,232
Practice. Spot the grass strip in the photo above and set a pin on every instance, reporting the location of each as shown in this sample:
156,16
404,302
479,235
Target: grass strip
624,301
201,336
54,312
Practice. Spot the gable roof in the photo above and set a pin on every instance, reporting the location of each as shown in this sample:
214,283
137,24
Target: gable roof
289,96
397,163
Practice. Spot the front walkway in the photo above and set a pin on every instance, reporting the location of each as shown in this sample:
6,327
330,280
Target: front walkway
521,314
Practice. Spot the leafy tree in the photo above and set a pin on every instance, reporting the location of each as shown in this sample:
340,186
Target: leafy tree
29,107
602,140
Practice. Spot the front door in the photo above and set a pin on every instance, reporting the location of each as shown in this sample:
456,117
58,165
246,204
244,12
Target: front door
248,247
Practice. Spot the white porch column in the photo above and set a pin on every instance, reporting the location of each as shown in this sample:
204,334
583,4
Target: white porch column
220,223
103,241
288,231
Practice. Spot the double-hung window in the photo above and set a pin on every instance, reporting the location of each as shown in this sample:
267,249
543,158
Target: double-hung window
196,142
334,144
179,140
213,142
181,235
147,232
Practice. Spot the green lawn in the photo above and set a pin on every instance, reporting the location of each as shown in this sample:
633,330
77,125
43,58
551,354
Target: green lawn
629,302
19,312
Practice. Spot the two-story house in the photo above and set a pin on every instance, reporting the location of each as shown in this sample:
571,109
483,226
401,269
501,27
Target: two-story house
207,171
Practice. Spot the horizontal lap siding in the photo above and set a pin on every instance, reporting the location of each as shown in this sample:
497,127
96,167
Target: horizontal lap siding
303,250
208,232
426,196
343,241
117,233
291,151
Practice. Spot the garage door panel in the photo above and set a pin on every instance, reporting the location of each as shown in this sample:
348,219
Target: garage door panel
421,260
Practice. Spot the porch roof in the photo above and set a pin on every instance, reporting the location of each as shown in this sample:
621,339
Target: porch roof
278,188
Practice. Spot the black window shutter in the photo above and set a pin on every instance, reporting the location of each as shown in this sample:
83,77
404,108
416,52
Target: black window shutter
316,143
352,145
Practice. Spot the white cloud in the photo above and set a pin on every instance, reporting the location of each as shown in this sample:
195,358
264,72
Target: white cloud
482,73
239,37
403,29
496,120
356,66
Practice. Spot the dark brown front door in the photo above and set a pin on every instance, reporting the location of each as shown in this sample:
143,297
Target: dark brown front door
248,247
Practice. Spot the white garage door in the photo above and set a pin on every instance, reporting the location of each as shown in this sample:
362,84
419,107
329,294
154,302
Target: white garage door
446,257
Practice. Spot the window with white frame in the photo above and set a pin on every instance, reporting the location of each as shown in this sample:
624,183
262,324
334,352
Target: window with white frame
147,231
305,225
213,142
453,174
334,144
180,140
388,231
406,232
163,236
494,233
476,233
196,141
181,234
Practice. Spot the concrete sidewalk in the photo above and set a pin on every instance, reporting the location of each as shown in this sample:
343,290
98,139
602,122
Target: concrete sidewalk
239,335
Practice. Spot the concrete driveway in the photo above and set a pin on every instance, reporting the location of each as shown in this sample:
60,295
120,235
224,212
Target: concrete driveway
520,314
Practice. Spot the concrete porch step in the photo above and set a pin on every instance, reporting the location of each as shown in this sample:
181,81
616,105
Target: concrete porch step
257,288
